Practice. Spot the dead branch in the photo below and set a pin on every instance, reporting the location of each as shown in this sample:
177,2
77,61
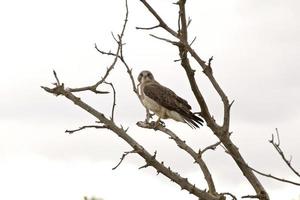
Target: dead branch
160,20
166,40
276,145
273,177
182,144
84,127
114,100
251,197
93,88
56,78
122,158
229,194
210,147
147,28
261,173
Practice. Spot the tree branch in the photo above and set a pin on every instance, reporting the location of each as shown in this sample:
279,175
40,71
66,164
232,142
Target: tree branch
276,145
159,19
210,147
93,88
84,127
242,162
274,177
114,100
147,28
122,158
182,144
229,194
166,40
251,197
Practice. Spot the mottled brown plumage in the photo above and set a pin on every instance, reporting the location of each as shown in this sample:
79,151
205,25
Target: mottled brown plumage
164,102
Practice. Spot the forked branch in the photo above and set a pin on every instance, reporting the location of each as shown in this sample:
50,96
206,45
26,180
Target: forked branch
182,145
276,145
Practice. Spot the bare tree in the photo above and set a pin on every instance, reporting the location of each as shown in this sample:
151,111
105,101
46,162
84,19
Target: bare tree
220,130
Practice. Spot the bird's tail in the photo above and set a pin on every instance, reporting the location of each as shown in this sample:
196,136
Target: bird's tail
193,120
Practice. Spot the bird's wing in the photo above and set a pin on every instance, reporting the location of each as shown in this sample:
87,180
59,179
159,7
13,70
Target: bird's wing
166,97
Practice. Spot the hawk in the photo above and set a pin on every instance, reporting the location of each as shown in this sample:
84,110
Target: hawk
164,102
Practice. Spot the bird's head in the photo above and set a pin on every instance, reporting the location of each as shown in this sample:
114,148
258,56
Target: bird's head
145,76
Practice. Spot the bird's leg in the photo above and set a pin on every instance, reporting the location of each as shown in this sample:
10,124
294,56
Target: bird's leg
159,123
148,116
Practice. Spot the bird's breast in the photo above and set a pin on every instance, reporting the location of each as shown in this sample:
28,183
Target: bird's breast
151,104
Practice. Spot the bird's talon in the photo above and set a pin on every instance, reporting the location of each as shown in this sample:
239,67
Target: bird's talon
162,123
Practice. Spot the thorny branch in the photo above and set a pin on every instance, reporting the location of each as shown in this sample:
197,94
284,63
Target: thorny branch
182,144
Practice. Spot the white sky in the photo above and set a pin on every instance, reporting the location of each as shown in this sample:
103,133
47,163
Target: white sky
256,46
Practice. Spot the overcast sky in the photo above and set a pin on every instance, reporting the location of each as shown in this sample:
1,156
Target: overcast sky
256,49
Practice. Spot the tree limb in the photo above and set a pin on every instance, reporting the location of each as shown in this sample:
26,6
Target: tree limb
182,144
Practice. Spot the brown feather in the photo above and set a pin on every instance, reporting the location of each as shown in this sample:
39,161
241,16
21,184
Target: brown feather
168,99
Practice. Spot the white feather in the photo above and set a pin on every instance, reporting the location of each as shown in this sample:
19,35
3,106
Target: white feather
161,111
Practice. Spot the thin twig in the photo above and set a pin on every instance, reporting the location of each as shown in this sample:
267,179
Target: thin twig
210,147
274,177
262,173
114,100
84,127
229,194
193,40
122,158
166,40
147,28
56,78
160,20
189,22
251,197
276,145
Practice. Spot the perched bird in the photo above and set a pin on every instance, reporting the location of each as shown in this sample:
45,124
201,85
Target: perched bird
164,102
